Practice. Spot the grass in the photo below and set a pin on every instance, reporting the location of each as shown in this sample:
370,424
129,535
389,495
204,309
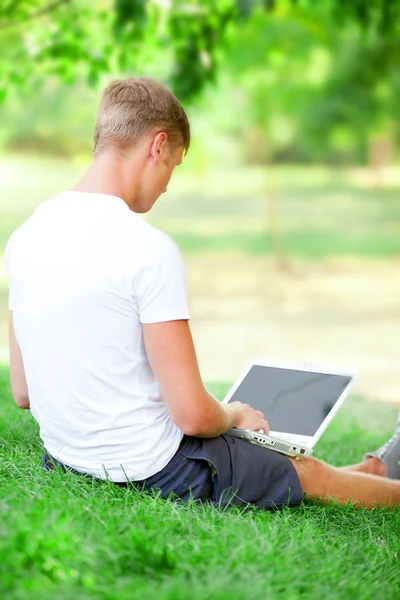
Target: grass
320,211
313,244
62,538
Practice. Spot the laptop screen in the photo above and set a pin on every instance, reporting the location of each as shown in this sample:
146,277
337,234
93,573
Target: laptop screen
292,401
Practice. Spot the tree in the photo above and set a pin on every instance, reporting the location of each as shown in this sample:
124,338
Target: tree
71,38
307,85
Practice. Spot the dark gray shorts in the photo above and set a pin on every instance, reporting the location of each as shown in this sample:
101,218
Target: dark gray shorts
224,470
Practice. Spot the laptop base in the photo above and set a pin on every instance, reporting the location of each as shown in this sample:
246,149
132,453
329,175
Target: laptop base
271,443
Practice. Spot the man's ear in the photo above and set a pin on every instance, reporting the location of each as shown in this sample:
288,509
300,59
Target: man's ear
158,144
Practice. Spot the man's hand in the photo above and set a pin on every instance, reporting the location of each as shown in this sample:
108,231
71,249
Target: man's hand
246,417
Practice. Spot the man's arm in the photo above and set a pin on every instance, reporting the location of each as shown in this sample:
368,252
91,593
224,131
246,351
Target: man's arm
172,357
17,371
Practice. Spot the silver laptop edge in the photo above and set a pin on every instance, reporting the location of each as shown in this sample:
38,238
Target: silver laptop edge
281,445
287,443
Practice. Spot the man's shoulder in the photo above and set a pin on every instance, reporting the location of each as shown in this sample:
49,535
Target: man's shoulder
21,233
32,220
150,236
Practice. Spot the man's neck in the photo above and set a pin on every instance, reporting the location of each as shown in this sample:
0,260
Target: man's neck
105,176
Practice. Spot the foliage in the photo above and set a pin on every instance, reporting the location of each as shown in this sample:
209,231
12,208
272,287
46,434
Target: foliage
71,37
309,91
311,81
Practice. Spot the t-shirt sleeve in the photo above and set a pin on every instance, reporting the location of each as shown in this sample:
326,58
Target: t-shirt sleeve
7,266
161,287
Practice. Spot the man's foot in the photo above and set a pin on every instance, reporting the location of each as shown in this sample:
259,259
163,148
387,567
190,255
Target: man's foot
389,454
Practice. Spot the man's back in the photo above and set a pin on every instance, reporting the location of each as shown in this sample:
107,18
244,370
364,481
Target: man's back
85,272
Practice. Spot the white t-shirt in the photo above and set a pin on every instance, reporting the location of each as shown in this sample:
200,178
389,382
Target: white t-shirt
84,273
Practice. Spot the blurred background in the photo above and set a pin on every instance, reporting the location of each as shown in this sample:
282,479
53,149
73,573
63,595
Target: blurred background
286,208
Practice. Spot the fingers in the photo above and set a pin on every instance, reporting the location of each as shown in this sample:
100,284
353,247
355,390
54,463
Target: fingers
264,428
250,409
247,406
250,418
242,405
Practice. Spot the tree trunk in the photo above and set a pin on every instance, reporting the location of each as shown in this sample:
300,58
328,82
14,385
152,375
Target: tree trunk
380,154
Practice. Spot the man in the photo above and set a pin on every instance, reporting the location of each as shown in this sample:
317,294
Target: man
100,345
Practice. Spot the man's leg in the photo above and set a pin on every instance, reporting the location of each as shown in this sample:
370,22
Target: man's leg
371,466
319,479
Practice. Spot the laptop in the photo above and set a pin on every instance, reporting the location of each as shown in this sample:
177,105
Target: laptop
298,401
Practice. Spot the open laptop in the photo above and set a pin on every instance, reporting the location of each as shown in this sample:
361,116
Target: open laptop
298,401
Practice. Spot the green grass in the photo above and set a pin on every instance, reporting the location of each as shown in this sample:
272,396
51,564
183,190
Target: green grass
62,538
305,244
320,211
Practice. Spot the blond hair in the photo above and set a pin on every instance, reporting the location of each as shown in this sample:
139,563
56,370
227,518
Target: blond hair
131,108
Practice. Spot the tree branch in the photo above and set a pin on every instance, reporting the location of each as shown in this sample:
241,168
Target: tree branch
39,13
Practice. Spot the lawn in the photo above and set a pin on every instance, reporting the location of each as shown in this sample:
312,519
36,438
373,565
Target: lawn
62,538
320,211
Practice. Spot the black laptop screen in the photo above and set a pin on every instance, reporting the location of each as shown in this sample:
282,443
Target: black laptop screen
292,401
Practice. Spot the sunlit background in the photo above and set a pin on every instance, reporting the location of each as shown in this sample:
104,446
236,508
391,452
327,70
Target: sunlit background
286,208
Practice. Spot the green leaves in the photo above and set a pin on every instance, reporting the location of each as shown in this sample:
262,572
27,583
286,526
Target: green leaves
71,38
195,36
130,14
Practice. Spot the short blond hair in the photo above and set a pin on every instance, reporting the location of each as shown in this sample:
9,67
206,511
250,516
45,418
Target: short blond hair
131,108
